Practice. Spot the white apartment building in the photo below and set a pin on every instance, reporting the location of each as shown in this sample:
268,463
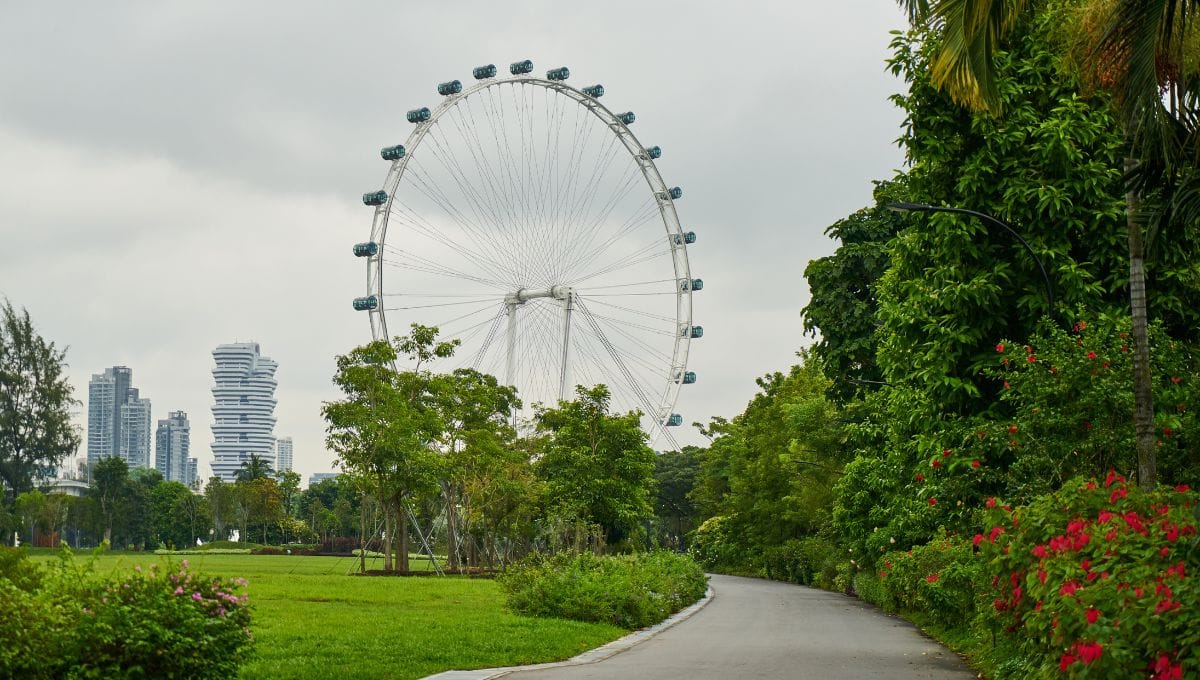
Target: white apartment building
243,407
283,454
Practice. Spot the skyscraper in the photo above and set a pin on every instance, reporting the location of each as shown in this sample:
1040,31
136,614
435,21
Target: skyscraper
243,407
171,448
283,454
118,419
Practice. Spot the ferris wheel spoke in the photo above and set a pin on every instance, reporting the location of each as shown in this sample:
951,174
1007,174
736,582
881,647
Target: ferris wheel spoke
591,255
630,181
481,206
417,263
659,317
469,131
581,205
634,385
419,225
648,253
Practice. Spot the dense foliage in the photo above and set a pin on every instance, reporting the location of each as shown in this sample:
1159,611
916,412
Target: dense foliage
629,591
66,621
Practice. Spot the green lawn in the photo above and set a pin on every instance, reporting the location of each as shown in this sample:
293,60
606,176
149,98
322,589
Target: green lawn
312,619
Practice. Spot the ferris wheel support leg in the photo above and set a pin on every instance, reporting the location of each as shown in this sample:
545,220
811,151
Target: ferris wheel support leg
510,368
565,380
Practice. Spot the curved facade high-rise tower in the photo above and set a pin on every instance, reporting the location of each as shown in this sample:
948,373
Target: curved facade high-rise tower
243,407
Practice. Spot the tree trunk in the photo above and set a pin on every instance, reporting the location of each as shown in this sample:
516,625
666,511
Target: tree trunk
452,561
387,539
362,536
402,547
1143,397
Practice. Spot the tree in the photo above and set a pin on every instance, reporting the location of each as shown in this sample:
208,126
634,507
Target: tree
110,486
676,472
1141,53
289,490
35,403
597,465
222,503
475,410
174,512
30,506
383,428
255,468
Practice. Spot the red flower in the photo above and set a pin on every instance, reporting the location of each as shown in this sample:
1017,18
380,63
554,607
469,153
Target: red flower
1091,356
1092,615
978,538
1117,494
946,452
933,501
1086,564
1012,429
990,503
1028,349
996,531
920,477
1031,358
1167,432
1104,516
1165,551
1006,385
975,463
1089,651
1183,488
937,463
1066,662
1068,589
1042,577
1175,379
1113,477
932,578
1000,347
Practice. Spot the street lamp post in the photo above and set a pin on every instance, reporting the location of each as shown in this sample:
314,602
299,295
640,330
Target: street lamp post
987,219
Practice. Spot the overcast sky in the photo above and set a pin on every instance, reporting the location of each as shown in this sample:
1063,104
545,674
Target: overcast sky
178,175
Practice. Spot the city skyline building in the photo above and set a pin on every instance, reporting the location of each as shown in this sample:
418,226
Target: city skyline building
118,418
243,407
135,430
283,454
172,445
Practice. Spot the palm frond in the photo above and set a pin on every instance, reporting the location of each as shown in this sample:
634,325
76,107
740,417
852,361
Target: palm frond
971,34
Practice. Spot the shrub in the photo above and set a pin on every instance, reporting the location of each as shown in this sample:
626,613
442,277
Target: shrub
152,623
1098,580
629,591
806,561
938,579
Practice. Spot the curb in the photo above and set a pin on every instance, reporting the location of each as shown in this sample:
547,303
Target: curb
591,656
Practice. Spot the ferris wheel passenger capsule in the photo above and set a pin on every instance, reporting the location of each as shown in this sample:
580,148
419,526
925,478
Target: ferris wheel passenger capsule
449,88
561,73
654,152
391,153
419,115
693,284
680,239
673,193
364,304
520,67
675,420
689,378
368,249
693,332
594,91
375,198
627,117
484,72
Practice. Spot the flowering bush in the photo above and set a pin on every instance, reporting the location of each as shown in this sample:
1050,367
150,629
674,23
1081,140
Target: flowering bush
150,623
1098,580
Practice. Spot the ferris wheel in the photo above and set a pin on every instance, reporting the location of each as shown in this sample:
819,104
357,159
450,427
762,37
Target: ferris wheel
524,218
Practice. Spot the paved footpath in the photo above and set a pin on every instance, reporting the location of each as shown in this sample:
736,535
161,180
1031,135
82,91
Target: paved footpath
765,629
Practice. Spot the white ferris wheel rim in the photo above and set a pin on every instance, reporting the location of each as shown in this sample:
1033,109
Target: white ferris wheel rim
658,414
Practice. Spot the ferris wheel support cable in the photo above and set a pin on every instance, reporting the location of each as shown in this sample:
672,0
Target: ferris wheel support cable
651,410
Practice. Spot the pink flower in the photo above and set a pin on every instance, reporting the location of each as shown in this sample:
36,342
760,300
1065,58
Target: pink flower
196,596
179,591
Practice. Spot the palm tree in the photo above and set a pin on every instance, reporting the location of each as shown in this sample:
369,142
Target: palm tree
255,468
1141,52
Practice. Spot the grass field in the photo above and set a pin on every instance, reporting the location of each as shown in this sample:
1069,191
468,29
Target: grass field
314,620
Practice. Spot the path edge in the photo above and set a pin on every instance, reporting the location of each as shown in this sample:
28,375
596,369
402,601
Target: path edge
592,655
